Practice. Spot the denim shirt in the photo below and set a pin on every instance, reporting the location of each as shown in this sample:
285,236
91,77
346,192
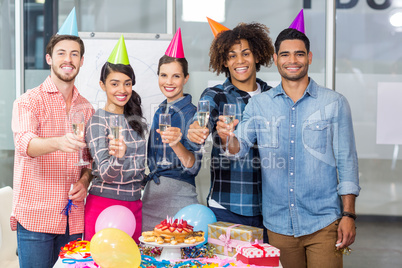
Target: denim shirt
181,113
308,157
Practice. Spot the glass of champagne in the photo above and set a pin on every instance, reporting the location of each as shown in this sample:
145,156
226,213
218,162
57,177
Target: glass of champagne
203,118
229,112
78,122
115,122
164,124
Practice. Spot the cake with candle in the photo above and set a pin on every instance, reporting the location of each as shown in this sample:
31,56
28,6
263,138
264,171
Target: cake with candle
173,231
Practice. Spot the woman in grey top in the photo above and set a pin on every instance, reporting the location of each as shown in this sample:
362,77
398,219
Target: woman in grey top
119,165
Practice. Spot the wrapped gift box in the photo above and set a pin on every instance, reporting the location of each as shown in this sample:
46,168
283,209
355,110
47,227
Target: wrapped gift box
226,236
258,254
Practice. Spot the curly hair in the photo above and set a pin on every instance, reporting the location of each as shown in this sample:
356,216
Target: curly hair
257,37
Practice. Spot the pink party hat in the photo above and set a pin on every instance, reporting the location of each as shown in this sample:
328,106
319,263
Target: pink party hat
175,49
298,22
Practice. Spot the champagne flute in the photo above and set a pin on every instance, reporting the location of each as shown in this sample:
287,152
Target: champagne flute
203,118
164,124
115,122
78,122
229,112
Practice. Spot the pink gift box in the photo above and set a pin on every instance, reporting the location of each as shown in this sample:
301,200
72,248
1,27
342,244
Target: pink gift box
258,254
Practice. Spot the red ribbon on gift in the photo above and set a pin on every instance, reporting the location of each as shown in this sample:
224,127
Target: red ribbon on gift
260,247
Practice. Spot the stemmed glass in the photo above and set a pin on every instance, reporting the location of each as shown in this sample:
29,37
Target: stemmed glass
203,118
164,124
115,122
229,112
78,122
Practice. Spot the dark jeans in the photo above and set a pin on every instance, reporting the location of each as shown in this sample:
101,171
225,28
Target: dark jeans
41,250
228,216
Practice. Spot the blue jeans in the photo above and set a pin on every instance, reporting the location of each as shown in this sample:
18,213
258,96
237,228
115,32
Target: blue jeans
41,250
228,216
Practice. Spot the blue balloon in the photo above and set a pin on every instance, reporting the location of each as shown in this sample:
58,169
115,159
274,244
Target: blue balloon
198,216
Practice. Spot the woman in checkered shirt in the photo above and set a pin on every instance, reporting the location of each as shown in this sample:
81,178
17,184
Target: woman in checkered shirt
119,165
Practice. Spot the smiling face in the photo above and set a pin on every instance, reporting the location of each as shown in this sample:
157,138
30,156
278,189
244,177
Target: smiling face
118,88
172,80
293,60
241,64
65,61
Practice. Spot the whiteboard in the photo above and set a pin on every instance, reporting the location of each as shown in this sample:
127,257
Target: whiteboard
144,57
389,111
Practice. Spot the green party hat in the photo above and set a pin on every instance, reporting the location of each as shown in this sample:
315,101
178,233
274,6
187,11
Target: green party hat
119,54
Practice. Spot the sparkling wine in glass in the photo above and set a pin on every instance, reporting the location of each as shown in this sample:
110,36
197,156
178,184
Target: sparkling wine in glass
78,122
164,124
203,118
229,112
116,124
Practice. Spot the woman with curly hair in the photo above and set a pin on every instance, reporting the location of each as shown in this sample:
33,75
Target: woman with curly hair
235,194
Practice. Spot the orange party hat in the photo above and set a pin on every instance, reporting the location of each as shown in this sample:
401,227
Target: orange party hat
216,27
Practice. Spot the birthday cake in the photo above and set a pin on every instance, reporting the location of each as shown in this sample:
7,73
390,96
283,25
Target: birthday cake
173,232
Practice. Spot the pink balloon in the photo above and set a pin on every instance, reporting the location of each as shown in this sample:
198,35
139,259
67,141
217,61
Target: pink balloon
118,217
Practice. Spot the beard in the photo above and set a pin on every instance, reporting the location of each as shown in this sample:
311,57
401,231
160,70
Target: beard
64,77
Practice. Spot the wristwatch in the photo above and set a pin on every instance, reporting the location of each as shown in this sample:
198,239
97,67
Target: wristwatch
349,214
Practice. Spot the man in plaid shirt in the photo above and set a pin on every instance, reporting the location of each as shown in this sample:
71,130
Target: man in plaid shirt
46,150
235,193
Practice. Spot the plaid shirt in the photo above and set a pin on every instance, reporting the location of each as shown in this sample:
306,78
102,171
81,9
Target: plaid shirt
235,184
121,180
41,184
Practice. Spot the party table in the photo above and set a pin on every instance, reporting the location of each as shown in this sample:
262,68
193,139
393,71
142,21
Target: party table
79,253
222,258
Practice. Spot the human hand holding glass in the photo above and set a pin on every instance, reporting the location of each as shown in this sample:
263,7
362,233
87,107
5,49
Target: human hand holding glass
78,122
164,124
229,113
203,118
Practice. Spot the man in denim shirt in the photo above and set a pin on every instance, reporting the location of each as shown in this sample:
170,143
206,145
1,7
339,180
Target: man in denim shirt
308,158
235,194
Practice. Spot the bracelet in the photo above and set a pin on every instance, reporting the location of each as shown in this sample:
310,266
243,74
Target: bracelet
349,214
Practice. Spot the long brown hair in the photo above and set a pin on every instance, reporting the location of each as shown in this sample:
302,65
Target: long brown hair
132,109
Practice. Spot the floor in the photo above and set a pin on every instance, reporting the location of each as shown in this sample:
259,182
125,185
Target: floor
378,243
379,228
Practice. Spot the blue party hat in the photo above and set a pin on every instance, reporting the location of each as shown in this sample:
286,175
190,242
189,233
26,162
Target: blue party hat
69,26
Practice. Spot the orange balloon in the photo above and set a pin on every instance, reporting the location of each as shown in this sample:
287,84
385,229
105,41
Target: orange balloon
114,248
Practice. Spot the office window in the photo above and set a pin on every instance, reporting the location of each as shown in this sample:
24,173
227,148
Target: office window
368,60
7,90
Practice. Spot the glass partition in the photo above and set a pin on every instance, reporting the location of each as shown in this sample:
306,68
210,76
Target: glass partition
368,54
7,90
